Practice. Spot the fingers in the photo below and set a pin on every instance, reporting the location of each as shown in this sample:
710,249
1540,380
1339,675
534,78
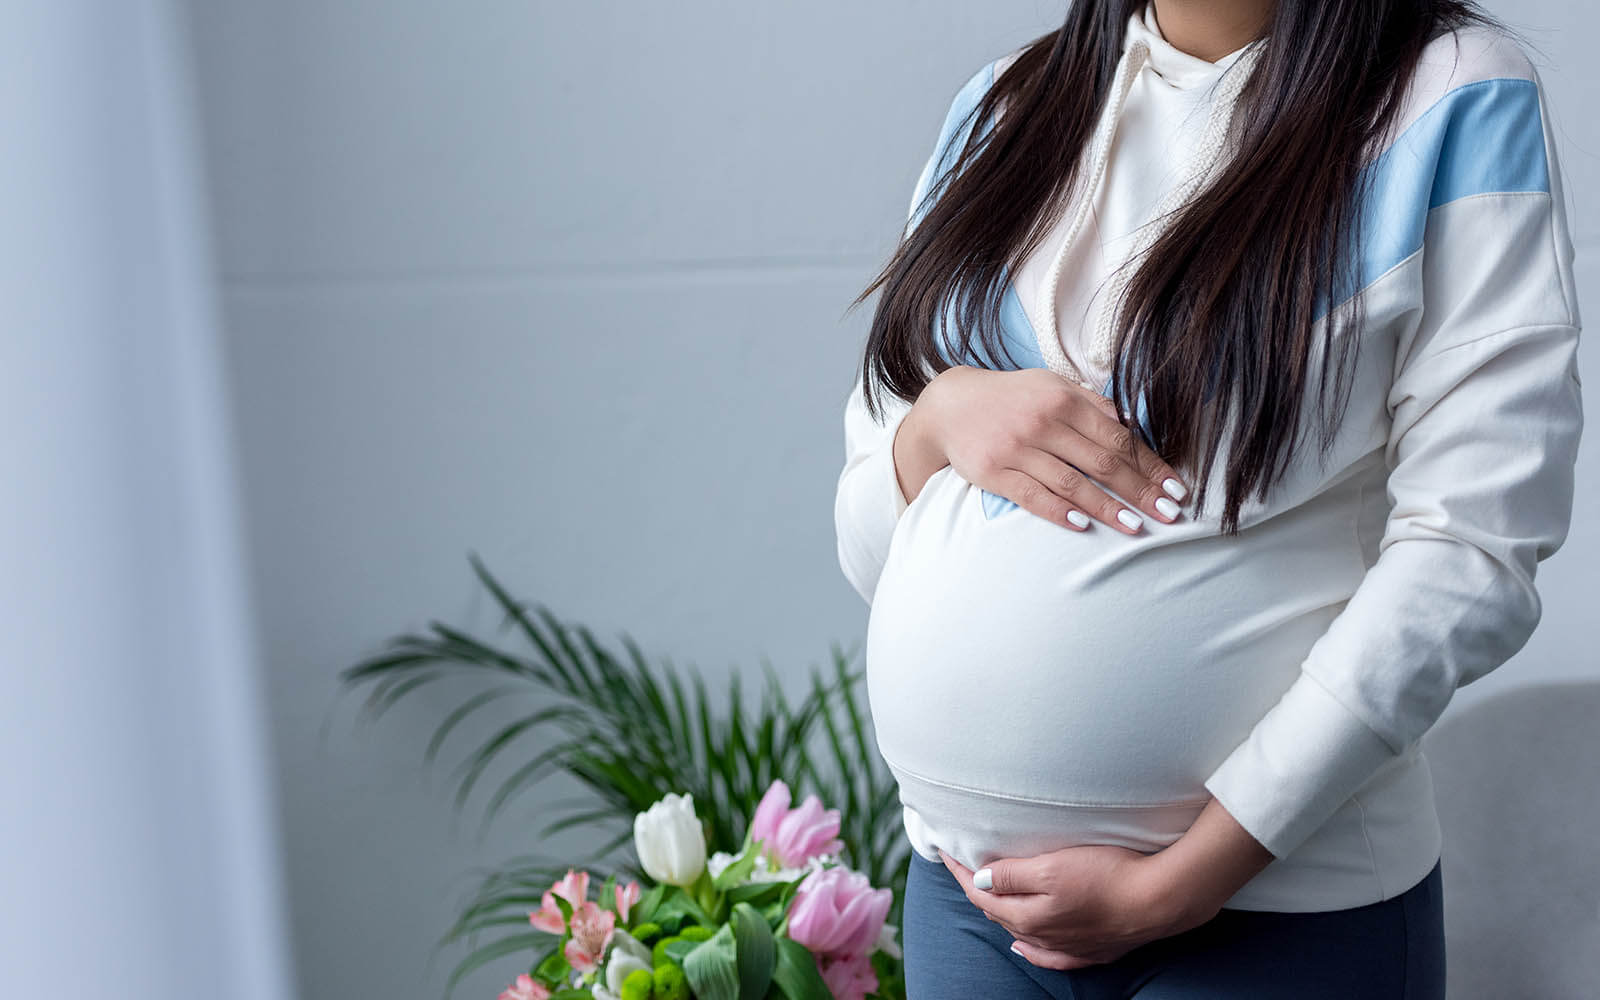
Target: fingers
1117,455
1058,484
1008,875
1047,959
1031,495
1001,909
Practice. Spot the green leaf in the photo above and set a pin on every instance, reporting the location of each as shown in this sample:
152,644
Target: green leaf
678,949
712,967
645,909
737,870
677,905
565,906
492,951
797,974
458,716
756,893
756,951
552,965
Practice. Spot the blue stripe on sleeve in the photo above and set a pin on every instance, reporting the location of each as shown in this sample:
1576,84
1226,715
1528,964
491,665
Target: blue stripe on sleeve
1481,138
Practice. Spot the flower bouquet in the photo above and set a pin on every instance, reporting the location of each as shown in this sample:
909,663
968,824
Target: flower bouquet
783,918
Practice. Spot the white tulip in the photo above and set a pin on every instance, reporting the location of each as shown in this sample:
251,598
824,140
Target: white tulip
626,954
670,841
624,943
619,966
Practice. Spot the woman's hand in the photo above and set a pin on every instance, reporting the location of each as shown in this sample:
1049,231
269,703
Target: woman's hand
1077,906
1036,439
1085,905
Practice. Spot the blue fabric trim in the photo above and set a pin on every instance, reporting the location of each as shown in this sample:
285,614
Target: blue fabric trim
953,133
1480,138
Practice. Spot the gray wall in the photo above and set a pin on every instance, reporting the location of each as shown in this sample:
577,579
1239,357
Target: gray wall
564,284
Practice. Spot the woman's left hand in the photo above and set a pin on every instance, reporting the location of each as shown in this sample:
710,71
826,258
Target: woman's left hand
1080,905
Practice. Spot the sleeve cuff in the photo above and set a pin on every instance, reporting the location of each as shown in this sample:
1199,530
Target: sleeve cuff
1300,763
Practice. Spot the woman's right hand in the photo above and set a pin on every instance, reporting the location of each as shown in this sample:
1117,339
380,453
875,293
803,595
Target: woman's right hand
1030,436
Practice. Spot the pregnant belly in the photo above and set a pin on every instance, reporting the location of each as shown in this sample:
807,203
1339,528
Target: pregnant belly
1027,681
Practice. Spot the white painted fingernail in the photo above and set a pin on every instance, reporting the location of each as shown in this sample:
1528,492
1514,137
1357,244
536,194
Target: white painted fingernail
1166,507
1129,518
1078,517
983,878
1175,489
1015,950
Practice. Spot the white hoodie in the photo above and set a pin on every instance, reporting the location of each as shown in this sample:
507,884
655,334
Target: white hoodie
1034,688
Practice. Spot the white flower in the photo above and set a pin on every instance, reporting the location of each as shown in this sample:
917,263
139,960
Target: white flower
886,941
763,872
618,968
626,954
670,841
624,943
719,861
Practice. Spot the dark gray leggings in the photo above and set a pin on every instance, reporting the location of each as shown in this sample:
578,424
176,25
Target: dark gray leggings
1392,950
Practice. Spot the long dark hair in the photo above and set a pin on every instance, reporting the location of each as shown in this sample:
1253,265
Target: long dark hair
1228,295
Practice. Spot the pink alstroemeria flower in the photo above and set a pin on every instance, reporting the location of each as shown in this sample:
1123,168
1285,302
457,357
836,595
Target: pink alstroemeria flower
849,977
573,887
627,895
836,911
592,926
526,988
795,836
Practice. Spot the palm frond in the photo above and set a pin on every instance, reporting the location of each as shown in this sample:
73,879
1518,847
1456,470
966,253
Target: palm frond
628,731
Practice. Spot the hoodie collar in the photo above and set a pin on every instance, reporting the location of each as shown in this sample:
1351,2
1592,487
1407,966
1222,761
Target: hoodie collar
1172,64
1142,46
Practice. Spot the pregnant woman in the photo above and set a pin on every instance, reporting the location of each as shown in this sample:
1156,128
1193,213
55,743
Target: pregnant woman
1219,403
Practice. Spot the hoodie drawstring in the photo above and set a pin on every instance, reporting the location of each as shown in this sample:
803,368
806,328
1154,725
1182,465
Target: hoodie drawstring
1207,155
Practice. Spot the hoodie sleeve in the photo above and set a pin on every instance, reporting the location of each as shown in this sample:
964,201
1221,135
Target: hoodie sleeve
1486,417
868,502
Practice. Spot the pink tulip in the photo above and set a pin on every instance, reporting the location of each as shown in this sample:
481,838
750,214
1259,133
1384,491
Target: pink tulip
836,911
573,887
850,977
526,988
592,927
795,836
627,895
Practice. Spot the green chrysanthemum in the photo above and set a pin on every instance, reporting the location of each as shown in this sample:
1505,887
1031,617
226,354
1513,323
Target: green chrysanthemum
637,985
646,930
669,984
658,952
